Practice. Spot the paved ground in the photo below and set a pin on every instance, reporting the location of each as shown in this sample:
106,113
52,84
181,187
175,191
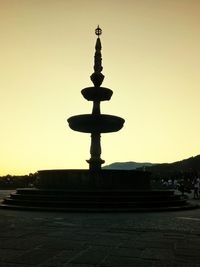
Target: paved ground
99,239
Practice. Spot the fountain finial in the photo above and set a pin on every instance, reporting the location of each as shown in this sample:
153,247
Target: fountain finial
98,31
97,77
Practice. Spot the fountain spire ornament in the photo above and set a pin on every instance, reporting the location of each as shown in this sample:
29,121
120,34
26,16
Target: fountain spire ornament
97,77
96,123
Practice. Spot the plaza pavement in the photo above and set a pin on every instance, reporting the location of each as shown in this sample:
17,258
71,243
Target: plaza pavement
55,239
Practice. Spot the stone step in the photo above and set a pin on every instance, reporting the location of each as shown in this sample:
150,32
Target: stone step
94,203
103,198
57,192
187,206
36,199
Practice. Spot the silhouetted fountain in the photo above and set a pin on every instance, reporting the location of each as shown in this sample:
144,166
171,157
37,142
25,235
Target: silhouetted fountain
96,123
95,189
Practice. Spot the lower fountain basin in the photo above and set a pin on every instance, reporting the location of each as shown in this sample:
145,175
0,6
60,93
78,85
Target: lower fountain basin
101,123
75,179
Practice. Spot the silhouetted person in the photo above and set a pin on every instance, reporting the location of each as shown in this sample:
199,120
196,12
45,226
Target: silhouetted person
196,188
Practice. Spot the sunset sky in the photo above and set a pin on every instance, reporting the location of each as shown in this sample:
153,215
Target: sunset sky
151,60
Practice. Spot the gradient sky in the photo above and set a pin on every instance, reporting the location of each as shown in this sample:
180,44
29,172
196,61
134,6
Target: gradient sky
151,61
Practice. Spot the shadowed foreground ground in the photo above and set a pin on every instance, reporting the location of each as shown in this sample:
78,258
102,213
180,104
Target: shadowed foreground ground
99,239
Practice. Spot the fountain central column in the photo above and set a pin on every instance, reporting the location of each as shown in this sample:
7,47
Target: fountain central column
95,151
95,161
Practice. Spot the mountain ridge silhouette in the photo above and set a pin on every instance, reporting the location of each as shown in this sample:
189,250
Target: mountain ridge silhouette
189,165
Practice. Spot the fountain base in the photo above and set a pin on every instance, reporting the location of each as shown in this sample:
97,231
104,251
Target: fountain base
99,191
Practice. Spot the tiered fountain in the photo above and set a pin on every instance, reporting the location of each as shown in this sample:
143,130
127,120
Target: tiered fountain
95,189
96,123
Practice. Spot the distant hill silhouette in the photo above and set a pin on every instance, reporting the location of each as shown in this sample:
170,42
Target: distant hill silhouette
190,165
131,165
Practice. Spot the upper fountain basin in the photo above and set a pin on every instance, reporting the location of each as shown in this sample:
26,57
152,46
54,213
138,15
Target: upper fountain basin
97,93
92,123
